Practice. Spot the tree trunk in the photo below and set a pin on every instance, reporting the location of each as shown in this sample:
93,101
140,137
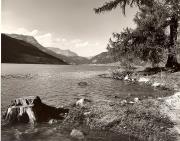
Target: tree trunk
172,58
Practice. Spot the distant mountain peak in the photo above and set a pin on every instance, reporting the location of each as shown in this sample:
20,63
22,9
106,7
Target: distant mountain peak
66,52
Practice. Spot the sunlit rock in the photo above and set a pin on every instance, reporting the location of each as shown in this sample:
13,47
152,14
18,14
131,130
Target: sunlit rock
81,102
136,99
156,84
123,102
77,134
142,79
131,102
87,113
52,121
126,77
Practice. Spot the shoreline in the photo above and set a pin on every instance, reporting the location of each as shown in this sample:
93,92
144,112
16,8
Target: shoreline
146,119
168,106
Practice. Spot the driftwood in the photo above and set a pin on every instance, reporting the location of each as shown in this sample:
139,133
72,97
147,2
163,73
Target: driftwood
31,109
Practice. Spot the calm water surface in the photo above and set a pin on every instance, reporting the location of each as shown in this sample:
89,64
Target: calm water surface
57,85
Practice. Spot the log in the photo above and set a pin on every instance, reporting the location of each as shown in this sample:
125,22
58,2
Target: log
31,109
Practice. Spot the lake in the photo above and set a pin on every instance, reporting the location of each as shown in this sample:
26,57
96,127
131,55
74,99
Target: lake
57,85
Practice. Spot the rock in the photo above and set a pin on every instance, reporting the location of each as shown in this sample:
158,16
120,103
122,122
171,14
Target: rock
136,99
82,83
126,77
131,102
31,109
77,134
123,102
52,121
87,113
81,102
156,84
142,79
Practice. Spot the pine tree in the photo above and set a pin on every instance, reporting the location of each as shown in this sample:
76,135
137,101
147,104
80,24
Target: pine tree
171,19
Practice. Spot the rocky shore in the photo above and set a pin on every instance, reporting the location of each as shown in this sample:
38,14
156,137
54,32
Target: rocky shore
149,119
168,106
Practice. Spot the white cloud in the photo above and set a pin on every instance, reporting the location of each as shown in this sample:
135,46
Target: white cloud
45,39
24,31
75,41
34,32
64,40
82,44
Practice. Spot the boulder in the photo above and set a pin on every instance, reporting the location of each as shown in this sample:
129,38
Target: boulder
31,109
82,83
52,121
81,102
142,79
136,99
77,134
126,77
123,102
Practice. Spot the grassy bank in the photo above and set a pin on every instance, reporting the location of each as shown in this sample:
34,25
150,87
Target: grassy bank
149,119
142,120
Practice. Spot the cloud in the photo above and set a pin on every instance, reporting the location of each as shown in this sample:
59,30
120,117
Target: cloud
24,31
34,32
45,39
82,44
75,41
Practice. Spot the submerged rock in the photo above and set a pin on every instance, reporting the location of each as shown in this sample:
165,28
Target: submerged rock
31,109
82,83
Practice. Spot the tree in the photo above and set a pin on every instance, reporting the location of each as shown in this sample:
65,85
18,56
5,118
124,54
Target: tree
171,6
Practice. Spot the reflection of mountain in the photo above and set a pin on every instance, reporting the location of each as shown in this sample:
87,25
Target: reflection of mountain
25,49
69,56
102,58
62,52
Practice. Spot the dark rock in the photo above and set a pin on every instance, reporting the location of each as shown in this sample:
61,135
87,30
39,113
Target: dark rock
31,109
82,83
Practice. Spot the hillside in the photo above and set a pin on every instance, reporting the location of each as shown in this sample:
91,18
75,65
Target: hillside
69,56
63,52
25,49
102,58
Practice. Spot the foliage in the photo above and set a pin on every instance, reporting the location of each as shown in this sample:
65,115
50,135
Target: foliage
149,40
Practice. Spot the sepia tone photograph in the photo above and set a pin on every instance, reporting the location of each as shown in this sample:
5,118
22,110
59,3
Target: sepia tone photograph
90,70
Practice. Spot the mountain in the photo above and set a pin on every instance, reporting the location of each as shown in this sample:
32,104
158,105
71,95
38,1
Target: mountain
63,52
25,49
102,58
69,56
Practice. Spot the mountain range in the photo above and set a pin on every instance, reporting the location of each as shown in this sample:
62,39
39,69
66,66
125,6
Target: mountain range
26,49
63,52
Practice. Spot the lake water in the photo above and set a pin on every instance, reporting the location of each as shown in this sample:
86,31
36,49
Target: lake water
57,85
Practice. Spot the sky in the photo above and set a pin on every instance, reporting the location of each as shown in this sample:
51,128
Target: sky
65,24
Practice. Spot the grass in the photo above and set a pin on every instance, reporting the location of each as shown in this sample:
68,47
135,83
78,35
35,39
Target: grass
142,120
